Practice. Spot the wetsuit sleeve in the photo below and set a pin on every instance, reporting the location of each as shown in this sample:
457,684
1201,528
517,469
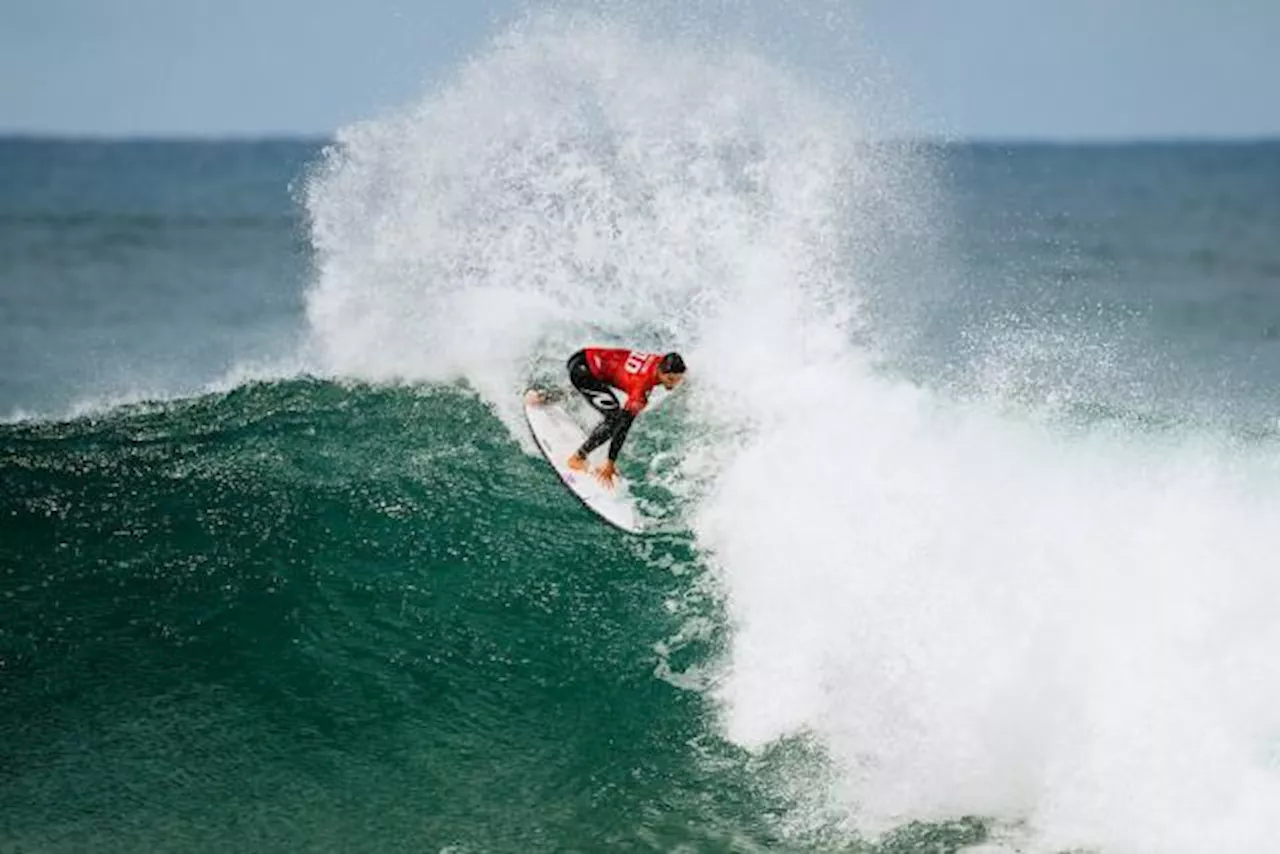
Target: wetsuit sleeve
620,432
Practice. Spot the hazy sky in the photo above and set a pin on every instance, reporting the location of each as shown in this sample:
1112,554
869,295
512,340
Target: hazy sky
985,68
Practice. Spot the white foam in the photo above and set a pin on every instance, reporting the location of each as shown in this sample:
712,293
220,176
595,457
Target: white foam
975,612
575,184
977,616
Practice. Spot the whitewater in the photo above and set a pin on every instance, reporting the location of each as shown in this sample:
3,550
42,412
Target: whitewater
970,605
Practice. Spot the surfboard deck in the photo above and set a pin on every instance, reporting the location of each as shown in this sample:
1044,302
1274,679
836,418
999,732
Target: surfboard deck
558,436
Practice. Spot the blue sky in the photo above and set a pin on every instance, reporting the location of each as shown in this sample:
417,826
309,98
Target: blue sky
1061,69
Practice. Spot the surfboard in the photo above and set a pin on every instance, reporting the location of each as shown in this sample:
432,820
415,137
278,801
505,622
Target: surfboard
558,436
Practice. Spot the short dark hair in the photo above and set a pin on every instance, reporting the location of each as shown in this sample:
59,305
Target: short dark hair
672,363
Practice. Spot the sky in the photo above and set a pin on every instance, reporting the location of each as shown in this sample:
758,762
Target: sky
999,69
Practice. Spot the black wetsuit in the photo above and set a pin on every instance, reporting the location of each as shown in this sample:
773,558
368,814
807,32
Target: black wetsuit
617,421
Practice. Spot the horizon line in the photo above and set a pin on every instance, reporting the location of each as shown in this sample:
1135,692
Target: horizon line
317,138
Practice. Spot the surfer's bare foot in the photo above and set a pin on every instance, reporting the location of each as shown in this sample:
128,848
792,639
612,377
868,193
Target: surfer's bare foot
606,473
577,462
533,397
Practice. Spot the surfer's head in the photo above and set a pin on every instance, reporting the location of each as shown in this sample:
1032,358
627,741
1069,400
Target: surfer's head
671,370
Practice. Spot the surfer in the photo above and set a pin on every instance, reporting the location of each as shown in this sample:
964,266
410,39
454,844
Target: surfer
593,371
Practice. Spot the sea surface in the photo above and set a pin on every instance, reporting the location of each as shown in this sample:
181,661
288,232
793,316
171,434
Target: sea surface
964,527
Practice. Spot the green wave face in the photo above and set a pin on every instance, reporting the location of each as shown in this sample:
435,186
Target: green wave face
308,616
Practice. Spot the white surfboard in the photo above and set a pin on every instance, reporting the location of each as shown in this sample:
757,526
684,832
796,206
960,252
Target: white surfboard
558,436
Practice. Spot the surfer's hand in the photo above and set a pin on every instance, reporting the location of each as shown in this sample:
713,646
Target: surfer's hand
606,473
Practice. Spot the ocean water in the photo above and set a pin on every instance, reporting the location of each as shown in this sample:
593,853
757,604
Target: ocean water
965,522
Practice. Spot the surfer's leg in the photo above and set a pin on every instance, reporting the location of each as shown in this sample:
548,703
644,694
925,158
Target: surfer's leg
598,394
613,429
604,432
600,397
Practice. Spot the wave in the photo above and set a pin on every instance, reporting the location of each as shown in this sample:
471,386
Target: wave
296,591
922,606
973,610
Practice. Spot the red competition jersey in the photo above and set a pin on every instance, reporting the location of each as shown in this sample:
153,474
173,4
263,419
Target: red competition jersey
634,372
